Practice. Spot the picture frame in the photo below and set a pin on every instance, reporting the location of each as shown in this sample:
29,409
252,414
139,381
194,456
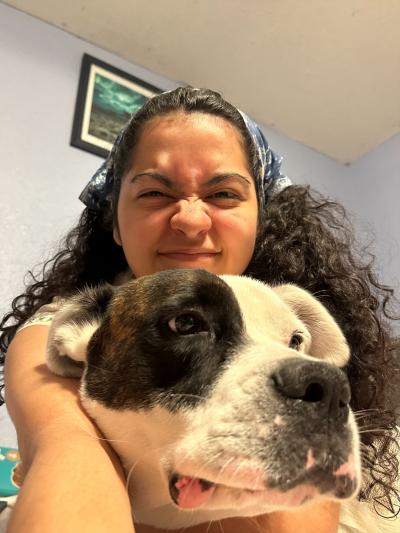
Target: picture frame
107,97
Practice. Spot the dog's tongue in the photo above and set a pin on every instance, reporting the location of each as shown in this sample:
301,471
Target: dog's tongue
190,492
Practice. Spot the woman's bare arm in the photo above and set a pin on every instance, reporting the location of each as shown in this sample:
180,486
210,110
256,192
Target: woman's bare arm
73,480
321,517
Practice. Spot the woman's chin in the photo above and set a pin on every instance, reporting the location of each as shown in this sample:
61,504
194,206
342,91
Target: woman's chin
211,262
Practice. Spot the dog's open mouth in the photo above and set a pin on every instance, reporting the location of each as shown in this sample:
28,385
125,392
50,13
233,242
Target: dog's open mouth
190,492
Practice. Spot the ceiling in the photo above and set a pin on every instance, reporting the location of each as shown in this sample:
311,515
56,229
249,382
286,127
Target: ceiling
323,72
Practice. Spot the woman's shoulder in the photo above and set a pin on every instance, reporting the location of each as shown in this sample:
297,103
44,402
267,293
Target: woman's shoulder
45,314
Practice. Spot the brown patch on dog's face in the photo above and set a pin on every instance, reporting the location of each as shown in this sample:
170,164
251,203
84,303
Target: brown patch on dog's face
137,340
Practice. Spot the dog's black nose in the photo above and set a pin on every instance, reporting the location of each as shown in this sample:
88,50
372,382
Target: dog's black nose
314,383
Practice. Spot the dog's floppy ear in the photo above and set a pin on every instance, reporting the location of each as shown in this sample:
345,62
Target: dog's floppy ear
72,328
327,340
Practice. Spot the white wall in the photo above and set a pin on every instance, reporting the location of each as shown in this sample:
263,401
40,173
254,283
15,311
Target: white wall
375,195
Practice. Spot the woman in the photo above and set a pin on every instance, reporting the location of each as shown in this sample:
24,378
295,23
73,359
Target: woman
191,182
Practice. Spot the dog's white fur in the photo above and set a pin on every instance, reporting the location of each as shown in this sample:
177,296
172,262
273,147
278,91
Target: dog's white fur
153,442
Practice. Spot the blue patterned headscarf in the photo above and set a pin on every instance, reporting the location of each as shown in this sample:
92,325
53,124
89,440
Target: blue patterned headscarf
270,181
98,192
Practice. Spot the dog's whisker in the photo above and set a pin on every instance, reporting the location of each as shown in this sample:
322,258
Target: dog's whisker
362,411
258,479
361,416
383,431
128,477
185,457
210,461
208,527
259,526
239,467
227,462
142,457
365,453
321,292
194,474
185,528
215,457
253,520
222,468
149,452
185,395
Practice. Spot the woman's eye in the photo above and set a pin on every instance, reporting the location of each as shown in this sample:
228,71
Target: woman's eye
229,195
296,341
187,324
152,194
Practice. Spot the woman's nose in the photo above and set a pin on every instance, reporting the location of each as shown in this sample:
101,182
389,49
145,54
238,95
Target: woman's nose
191,218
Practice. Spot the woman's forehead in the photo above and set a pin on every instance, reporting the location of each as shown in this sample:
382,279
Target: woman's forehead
179,141
180,123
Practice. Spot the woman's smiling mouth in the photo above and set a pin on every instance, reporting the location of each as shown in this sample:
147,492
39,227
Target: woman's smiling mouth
189,255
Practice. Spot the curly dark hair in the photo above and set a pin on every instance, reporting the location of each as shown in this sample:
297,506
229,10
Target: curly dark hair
302,238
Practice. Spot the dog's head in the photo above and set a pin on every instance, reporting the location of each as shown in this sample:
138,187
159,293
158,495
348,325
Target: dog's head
221,395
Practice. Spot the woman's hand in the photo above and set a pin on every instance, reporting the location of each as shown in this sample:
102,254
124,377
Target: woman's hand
73,480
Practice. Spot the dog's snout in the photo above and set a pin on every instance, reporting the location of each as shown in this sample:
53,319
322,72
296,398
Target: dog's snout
314,382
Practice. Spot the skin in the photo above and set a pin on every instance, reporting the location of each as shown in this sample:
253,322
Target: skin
73,480
188,200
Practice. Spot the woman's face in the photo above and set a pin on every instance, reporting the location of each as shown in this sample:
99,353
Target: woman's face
188,200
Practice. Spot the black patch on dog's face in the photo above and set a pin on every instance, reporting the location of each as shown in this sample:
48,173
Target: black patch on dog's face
135,359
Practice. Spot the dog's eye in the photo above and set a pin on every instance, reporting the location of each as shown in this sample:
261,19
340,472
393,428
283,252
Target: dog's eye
186,324
296,341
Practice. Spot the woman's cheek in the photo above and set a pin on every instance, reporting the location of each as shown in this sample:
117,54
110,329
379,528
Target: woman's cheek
140,222
243,223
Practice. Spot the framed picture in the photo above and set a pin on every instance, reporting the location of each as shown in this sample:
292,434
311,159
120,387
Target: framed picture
106,99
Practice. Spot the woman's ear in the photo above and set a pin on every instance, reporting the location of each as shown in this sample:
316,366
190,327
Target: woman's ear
116,235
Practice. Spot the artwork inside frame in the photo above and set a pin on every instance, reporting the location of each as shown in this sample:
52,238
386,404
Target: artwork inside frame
106,99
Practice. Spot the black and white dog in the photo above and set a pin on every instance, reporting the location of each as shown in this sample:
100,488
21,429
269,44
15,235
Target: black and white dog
222,396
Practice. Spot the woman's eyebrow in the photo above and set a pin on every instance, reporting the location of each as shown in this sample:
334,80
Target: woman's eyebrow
215,180
225,176
154,175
